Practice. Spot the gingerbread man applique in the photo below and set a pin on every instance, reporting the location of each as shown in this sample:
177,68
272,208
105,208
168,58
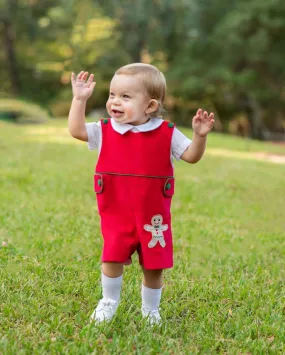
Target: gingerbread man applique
156,228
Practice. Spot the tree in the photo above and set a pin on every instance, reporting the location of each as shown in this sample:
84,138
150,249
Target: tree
46,40
235,57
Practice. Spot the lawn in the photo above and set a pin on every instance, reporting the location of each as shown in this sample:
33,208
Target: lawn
224,295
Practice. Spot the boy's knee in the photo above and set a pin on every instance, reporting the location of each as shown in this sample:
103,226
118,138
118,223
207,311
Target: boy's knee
112,269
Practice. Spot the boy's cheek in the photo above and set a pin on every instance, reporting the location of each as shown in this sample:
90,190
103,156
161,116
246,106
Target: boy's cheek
108,107
128,112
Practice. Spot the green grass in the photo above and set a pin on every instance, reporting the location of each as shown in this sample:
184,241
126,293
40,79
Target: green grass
224,295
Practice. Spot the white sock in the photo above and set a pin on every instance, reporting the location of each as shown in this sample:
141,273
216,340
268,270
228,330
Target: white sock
111,287
151,297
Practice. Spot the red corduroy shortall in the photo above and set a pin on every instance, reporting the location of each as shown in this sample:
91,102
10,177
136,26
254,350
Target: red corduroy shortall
134,185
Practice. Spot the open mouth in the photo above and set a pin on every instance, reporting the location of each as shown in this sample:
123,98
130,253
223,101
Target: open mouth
117,112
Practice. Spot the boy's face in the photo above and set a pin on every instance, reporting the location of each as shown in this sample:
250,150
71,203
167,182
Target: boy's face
128,100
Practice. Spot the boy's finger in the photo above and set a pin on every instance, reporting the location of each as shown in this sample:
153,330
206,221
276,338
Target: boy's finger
199,112
84,77
91,77
89,83
205,115
72,77
79,76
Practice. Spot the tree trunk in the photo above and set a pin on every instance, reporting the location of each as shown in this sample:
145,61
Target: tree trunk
8,39
255,115
137,52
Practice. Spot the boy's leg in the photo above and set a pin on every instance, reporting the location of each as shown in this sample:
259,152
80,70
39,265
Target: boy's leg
111,278
153,278
112,269
151,294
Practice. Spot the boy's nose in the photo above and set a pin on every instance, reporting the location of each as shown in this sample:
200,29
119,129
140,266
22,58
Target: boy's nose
116,101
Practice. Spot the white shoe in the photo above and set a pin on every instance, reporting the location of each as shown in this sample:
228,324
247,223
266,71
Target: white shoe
105,310
152,315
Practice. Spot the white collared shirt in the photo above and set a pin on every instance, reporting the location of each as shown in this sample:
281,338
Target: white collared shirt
179,142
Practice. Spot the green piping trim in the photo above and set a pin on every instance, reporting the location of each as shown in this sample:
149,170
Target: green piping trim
137,175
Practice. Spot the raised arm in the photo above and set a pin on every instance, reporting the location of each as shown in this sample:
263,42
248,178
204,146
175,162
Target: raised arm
202,124
82,90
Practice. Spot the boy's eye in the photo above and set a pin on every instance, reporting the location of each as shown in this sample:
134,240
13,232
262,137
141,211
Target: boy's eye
126,96
111,94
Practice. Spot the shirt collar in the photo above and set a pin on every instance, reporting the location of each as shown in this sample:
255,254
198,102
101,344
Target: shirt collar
150,125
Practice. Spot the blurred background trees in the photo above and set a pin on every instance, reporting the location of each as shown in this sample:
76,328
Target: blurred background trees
226,56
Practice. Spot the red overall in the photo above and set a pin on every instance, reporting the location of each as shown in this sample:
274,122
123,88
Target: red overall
134,185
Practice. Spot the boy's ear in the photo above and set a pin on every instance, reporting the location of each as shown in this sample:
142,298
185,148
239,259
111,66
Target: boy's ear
153,106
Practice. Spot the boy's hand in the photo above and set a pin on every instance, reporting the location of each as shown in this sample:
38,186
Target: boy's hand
81,88
202,123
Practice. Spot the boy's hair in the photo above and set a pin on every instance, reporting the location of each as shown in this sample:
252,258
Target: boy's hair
153,80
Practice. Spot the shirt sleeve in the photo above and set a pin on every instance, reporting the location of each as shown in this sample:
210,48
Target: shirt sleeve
94,132
179,144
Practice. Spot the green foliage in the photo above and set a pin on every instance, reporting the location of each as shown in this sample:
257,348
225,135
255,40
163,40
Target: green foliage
236,54
22,111
62,36
226,53
224,295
